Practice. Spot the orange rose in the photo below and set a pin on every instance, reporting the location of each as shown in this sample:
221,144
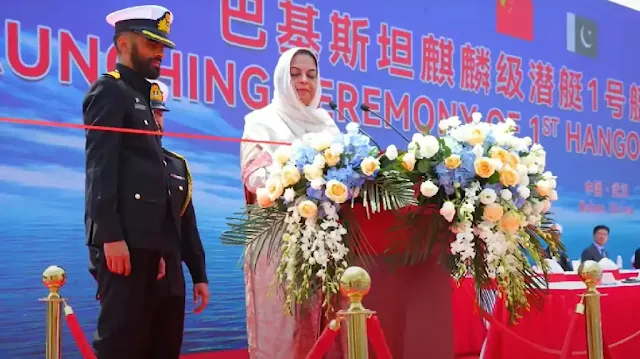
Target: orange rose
509,176
484,167
510,222
492,212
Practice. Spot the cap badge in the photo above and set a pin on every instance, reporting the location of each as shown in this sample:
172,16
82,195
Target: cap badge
164,22
156,93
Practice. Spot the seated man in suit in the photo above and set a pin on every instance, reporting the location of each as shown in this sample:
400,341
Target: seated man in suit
563,258
596,251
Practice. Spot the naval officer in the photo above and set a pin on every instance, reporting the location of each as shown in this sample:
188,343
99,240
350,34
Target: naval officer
129,217
171,295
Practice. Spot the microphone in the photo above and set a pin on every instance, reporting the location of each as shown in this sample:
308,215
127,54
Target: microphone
364,107
334,107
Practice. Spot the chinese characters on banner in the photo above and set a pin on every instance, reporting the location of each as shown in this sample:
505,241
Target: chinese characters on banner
613,194
435,60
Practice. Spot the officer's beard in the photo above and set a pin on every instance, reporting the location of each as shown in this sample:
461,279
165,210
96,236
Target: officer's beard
143,66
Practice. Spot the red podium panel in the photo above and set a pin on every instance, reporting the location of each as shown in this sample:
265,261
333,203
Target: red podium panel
413,302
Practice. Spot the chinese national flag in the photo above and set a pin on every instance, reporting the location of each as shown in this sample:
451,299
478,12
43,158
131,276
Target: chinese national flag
515,18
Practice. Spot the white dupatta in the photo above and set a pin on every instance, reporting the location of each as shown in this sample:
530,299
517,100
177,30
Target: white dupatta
283,120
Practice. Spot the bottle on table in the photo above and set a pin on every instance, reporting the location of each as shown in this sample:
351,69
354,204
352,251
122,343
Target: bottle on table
619,262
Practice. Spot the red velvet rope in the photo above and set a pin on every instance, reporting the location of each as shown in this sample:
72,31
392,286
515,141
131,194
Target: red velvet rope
377,339
571,333
324,343
192,136
78,334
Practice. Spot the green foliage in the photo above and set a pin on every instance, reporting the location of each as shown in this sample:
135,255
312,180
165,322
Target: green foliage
259,229
390,191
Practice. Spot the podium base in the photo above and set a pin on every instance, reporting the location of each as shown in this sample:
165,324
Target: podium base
414,307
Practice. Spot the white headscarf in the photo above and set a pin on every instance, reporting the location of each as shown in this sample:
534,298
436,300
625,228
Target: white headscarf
286,118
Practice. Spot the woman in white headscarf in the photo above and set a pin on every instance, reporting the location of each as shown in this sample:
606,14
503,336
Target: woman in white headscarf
292,113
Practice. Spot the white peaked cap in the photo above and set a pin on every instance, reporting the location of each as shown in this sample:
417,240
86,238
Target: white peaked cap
151,21
163,87
142,12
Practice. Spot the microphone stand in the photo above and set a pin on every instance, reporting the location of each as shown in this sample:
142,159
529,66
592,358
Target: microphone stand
334,107
364,107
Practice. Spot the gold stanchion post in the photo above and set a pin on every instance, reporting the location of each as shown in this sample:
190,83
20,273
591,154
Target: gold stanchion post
355,284
54,278
591,273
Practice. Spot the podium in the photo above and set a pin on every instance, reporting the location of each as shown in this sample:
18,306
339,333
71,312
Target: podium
413,302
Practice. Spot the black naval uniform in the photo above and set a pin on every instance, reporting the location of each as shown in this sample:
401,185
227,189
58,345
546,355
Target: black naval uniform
128,196
170,302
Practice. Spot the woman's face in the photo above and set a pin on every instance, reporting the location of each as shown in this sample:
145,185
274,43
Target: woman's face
304,77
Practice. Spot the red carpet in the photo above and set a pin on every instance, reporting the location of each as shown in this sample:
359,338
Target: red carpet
232,354
242,354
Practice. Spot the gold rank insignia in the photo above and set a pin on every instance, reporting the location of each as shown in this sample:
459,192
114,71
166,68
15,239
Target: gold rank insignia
164,23
156,93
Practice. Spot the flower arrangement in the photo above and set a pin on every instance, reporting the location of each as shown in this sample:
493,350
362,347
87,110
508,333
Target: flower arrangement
307,184
489,187
493,189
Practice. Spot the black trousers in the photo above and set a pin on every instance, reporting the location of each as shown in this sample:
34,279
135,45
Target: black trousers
167,327
126,307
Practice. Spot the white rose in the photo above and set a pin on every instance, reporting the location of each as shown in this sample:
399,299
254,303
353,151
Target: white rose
282,154
417,137
322,141
369,166
506,194
391,152
289,194
412,147
319,161
274,169
454,121
409,161
443,125
524,181
554,195
337,149
290,175
336,191
274,188
307,209
352,128
524,192
317,183
478,150
528,160
533,169
476,117
428,189
488,196
312,172
448,211
429,146
543,187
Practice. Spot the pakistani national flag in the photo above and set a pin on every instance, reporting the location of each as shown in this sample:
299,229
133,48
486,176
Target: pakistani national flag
582,35
631,4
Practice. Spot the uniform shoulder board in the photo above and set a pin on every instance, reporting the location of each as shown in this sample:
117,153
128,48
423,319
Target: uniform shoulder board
189,182
113,74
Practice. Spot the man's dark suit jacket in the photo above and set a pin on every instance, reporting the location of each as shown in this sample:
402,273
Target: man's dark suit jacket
592,253
636,259
564,261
